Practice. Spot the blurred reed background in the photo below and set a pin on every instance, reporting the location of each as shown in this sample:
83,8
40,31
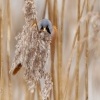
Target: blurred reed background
75,52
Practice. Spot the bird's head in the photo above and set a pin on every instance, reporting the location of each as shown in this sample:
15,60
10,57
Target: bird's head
45,25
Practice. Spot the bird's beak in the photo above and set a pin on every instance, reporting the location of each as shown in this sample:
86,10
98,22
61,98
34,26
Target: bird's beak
44,29
34,24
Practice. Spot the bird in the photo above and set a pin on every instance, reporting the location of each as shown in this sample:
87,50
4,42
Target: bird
45,25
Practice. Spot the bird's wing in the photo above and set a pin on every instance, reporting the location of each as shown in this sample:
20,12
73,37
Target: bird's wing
16,69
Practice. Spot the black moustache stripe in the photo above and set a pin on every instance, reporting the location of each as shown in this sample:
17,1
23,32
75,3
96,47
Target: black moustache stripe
48,30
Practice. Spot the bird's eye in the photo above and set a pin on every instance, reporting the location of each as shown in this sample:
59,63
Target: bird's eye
42,28
48,30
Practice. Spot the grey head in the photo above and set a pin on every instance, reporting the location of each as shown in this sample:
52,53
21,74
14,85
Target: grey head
45,25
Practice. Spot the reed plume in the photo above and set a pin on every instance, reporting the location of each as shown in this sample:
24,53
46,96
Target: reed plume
32,51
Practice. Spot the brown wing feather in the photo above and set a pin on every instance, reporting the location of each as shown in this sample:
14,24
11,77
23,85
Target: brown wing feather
17,68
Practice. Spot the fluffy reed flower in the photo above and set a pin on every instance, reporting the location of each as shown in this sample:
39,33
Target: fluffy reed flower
94,36
32,51
95,40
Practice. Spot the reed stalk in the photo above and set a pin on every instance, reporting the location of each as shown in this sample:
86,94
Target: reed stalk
39,91
44,10
52,63
0,44
50,10
0,54
52,50
73,47
60,57
8,49
55,23
86,55
55,13
78,57
4,78
26,91
92,6
72,53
